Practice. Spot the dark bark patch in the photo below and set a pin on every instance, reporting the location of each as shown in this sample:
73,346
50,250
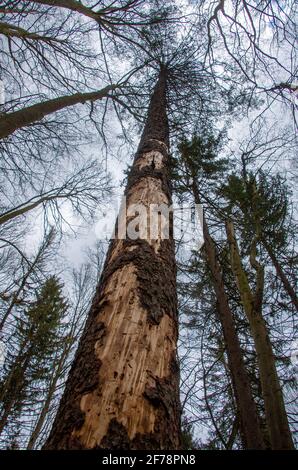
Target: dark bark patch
156,275
164,395
83,379
117,438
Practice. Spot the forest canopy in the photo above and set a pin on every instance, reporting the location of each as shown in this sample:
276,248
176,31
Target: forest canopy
166,319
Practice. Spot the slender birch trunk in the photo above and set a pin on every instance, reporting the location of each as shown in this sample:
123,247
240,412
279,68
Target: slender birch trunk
123,388
275,412
250,429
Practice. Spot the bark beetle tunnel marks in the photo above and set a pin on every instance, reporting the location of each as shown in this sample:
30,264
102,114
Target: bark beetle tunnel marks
163,396
156,292
157,297
148,171
83,378
134,403
136,173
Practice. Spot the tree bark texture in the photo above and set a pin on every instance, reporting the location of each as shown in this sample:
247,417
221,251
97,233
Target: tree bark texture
123,388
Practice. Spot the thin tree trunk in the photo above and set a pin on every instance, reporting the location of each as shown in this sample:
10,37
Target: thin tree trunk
279,271
249,425
28,273
60,371
5,414
276,417
45,409
16,296
13,390
10,122
123,388
233,434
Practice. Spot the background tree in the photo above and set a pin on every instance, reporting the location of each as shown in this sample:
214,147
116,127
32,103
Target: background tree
198,162
272,215
36,335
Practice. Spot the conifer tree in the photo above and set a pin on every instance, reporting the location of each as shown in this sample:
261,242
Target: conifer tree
262,219
198,160
36,336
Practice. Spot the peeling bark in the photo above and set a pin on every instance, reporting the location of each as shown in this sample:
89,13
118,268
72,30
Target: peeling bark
123,388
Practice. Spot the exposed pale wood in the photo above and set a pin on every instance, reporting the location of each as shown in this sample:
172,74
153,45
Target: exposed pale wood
123,389
139,353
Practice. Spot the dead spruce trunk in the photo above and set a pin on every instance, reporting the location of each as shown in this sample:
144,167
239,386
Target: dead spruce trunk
123,388
275,412
250,430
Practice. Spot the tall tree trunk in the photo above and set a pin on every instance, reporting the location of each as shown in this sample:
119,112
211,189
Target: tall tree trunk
276,417
254,199
280,273
250,430
123,388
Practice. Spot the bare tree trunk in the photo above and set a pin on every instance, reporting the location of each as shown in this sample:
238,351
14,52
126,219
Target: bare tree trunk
50,394
279,271
32,267
10,122
276,417
249,425
13,385
123,388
